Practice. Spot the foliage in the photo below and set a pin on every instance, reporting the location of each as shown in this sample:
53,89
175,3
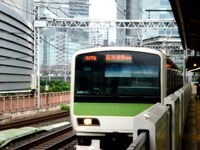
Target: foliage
42,89
55,86
64,107
181,68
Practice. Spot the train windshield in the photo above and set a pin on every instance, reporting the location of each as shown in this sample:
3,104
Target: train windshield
117,75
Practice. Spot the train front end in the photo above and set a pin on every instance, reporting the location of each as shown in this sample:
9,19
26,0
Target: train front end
109,88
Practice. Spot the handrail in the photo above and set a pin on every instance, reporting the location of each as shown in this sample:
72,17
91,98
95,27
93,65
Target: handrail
140,142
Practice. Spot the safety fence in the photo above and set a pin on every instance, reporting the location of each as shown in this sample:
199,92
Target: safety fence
162,125
18,103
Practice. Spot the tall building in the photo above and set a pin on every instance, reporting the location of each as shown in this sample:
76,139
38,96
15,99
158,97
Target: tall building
16,45
159,39
161,9
128,10
143,10
58,44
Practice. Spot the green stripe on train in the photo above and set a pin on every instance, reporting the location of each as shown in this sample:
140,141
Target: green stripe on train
109,109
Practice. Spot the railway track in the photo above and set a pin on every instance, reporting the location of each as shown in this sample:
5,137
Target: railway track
60,139
34,120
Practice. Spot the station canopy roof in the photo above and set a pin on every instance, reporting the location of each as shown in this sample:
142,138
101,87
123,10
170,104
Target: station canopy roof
187,16
193,63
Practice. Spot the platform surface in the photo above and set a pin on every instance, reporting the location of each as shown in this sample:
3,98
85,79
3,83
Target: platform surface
191,138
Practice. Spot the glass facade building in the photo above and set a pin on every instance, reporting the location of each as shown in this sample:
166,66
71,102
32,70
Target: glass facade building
143,10
58,44
147,10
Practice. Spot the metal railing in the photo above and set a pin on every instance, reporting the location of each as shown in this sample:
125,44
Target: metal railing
18,103
141,142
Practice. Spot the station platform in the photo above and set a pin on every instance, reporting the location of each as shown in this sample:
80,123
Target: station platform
191,138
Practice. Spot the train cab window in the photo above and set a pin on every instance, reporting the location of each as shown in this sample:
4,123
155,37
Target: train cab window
130,74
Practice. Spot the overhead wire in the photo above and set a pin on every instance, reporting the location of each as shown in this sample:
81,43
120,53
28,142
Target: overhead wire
140,9
63,50
54,45
123,13
15,6
3,1
59,8
48,7
77,12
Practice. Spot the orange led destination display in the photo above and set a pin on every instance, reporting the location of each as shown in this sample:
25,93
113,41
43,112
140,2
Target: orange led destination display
118,58
90,58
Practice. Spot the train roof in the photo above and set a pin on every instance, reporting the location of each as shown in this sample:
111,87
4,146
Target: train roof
142,49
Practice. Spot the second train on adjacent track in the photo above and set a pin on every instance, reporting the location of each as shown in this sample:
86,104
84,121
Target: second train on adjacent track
111,85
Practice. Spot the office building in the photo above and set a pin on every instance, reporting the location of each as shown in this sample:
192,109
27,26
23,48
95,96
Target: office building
58,44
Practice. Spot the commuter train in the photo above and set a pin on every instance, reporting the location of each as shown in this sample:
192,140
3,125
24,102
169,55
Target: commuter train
111,85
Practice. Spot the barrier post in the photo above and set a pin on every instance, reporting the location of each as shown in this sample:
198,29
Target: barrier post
179,93
174,103
156,121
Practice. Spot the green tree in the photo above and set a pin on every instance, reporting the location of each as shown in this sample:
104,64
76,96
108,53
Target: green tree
42,89
55,85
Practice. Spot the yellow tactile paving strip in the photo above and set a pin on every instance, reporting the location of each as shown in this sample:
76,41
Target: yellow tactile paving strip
191,138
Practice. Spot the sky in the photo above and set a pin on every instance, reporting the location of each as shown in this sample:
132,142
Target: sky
103,9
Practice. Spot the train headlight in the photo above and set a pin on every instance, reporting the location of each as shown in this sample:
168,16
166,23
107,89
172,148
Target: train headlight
88,122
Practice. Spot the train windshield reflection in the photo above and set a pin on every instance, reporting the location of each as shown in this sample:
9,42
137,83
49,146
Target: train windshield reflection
138,77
